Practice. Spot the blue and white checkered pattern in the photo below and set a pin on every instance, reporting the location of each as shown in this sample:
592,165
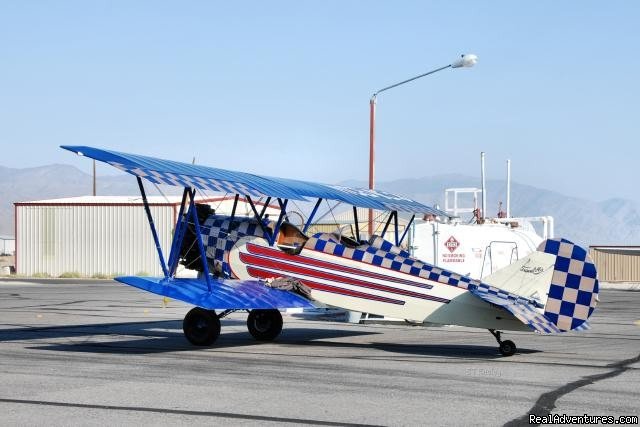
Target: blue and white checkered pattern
384,245
181,180
220,234
536,320
573,293
584,327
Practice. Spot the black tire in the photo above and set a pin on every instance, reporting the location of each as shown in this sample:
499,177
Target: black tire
201,327
264,325
507,348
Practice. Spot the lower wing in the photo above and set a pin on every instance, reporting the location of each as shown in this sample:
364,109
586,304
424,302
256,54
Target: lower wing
224,294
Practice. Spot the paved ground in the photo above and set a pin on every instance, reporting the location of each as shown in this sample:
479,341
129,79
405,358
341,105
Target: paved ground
100,353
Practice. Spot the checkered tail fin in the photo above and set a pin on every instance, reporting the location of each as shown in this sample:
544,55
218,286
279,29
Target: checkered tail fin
554,289
573,292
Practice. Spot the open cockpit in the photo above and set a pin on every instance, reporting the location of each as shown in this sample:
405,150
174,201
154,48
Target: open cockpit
290,239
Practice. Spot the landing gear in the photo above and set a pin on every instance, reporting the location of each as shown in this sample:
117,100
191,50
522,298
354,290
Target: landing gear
201,327
507,348
264,325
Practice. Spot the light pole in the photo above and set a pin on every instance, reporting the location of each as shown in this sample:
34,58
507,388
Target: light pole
466,61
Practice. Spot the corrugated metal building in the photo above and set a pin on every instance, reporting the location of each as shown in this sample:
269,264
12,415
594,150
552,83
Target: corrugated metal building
617,263
7,245
94,236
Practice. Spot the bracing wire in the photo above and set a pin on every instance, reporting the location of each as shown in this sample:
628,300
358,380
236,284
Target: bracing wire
333,216
161,192
221,201
329,212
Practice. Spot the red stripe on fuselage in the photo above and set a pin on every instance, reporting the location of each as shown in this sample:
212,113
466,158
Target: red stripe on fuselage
275,264
264,274
276,253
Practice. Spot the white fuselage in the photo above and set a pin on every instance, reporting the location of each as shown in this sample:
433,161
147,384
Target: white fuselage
359,285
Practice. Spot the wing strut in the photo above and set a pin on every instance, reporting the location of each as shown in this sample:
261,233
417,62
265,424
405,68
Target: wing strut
313,213
384,230
235,205
283,207
196,223
178,236
153,227
264,228
355,219
406,230
283,214
264,208
395,228
393,215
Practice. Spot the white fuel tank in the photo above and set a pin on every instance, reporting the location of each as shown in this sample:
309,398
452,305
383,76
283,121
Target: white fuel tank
475,250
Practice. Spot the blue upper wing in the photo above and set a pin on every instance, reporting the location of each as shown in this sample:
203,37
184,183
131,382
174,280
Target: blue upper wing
170,172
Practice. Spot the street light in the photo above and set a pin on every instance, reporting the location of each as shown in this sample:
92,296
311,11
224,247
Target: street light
465,61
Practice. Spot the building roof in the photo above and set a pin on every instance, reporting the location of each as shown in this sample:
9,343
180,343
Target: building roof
222,205
615,248
104,200
124,200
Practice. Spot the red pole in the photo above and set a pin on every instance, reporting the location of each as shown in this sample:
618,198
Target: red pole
15,235
372,127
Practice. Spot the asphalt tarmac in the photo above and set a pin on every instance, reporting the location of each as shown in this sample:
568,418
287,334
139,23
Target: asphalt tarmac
100,353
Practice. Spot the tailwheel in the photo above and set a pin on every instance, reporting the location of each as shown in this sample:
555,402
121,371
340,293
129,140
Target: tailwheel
264,325
507,348
201,327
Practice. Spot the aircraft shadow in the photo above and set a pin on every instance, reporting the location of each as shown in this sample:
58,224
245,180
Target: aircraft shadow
166,336
171,342
449,350
489,351
155,337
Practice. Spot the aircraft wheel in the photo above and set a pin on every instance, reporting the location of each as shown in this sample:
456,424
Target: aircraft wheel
507,348
264,325
201,327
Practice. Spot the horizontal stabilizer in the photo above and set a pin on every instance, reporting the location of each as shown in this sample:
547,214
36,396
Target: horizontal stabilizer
224,295
523,310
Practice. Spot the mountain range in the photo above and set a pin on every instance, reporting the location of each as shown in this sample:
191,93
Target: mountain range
612,222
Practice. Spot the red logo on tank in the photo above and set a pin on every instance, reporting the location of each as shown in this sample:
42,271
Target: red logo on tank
452,244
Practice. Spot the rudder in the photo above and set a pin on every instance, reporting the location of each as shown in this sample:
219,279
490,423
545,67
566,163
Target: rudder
573,292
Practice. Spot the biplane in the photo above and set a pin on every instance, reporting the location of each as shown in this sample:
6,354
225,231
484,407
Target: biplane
263,265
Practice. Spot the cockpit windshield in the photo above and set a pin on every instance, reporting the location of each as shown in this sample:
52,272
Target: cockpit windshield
291,239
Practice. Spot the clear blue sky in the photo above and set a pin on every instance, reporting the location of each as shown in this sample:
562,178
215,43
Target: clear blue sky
283,87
